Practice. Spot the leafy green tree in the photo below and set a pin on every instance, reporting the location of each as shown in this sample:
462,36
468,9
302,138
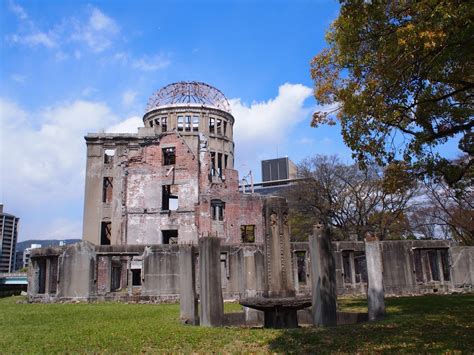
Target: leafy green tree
400,77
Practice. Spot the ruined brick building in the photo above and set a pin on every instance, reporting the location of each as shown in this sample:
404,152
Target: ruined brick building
148,194
174,180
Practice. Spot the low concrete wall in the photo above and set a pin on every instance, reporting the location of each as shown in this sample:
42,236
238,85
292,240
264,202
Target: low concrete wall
84,271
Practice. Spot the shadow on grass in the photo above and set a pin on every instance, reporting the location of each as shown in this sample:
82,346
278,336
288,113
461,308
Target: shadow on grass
413,324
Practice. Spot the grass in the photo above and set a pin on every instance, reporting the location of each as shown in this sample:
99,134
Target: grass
413,324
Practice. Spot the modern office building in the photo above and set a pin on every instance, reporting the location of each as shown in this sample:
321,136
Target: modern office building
8,239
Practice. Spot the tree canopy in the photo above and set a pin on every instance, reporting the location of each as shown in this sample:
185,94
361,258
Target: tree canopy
400,76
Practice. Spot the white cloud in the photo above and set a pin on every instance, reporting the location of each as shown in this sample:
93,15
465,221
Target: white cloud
18,11
46,162
262,126
98,33
130,125
151,63
18,78
306,141
128,97
43,158
35,39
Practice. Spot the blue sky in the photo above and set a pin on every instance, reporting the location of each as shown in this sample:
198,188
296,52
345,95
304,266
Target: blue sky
72,67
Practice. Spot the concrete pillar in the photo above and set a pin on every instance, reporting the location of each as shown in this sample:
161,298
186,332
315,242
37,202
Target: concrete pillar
188,302
278,266
212,305
323,277
375,292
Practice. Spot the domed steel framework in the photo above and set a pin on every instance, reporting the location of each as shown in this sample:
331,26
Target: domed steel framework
188,92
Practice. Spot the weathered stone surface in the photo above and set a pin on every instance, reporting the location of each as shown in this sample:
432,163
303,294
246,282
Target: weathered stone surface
375,292
77,269
323,278
188,302
278,266
161,271
212,304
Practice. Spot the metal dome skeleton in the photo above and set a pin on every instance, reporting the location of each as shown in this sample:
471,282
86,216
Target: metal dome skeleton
188,92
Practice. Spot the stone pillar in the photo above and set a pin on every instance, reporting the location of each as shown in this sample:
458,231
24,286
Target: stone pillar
212,305
323,277
188,302
375,292
278,267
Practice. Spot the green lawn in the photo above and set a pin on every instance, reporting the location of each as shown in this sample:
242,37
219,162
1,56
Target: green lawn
416,324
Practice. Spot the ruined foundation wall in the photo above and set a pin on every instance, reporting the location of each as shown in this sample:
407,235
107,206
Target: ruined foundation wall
86,271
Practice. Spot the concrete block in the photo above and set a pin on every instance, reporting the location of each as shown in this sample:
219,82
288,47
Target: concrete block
188,302
212,305
375,292
323,278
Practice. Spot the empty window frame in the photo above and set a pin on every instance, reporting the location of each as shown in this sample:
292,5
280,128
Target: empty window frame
431,265
219,164
116,276
105,233
301,266
226,159
213,163
225,128
169,156
136,277
195,123
151,123
41,267
187,123
180,123
169,236
346,267
169,201
109,156
219,126
217,210
107,189
224,270
360,267
164,124
248,233
212,125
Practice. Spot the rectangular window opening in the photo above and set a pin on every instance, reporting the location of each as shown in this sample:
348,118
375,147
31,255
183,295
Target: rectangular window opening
225,128
212,125
105,233
180,123
445,264
213,163
169,156
170,236
169,198
248,233
226,159
346,267
164,124
219,164
116,276
107,189
217,210
136,277
301,265
109,156
195,123
41,264
219,127
188,124
434,265
360,266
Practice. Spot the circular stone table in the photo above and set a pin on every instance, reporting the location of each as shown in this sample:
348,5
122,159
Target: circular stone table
278,312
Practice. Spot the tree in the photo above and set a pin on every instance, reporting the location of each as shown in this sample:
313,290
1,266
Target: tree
351,201
400,75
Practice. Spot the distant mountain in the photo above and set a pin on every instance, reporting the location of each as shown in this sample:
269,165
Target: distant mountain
20,246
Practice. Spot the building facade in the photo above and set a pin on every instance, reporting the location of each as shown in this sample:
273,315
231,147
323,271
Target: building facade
8,239
174,180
